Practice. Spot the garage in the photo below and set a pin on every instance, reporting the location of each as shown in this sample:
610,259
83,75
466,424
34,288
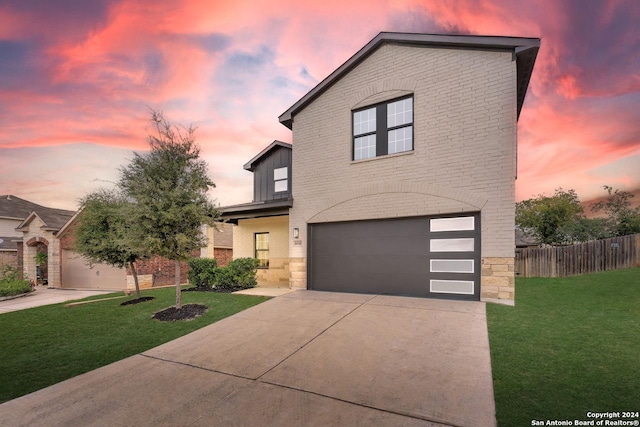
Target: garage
76,273
435,257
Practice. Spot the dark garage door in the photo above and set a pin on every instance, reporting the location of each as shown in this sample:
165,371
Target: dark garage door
436,257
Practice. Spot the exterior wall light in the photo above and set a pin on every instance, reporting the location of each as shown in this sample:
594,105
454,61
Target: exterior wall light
296,232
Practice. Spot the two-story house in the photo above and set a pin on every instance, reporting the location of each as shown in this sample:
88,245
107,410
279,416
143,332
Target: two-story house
402,175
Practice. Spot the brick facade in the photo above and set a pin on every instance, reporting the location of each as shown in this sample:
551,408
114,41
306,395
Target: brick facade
223,256
9,258
464,157
161,270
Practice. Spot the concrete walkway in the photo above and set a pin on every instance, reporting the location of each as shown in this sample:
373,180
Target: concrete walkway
303,359
44,296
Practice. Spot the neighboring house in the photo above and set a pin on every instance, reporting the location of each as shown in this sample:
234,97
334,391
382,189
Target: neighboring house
524,240
32,228
27,228
403,170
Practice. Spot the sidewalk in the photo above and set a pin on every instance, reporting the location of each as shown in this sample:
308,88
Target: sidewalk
44,296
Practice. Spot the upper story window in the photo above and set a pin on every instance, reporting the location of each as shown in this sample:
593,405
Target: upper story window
385,128
281,179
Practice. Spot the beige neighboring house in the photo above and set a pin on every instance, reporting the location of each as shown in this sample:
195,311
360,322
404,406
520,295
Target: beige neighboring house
32,228
26,228
402,173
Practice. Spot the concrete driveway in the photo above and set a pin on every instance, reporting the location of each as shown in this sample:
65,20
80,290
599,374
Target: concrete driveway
305,358
44,296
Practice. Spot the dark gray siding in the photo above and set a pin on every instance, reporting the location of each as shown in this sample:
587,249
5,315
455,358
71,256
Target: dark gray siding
263,183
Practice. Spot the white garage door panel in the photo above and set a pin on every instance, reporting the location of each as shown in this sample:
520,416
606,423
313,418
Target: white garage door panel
76,273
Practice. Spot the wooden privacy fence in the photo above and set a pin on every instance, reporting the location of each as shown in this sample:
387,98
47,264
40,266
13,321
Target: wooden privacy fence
588,257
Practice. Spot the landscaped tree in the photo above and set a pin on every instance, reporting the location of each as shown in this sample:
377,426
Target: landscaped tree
103,231
545,216
621,218
168,186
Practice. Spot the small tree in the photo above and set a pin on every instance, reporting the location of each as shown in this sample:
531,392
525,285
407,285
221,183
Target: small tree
169,186
102,234
545,216
621,218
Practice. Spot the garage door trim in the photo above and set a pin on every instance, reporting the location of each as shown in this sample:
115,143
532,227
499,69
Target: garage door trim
419,271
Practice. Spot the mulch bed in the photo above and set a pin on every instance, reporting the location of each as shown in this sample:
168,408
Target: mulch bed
137,300
187,312
218,290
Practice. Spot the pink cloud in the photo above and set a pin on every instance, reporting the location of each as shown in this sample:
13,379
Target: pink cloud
231,68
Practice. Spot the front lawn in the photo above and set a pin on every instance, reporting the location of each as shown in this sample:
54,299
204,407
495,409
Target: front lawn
45,345
569,346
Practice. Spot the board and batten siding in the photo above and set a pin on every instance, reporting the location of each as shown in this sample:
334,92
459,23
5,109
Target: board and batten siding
263,182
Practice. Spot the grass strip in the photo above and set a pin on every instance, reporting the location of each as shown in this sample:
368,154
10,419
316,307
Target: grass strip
569,346
42,346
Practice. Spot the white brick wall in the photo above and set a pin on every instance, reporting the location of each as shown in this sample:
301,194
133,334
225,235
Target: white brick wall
464,144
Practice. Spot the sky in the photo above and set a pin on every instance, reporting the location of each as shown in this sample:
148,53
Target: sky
79,78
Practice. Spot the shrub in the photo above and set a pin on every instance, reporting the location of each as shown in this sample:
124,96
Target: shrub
203,272
225,279
239,273
243,272
8,273
10,284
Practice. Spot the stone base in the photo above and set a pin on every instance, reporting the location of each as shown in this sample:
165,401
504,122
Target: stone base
298,273
498,279
276,276
145,281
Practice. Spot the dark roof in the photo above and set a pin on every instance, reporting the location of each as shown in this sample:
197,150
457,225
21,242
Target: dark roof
8,243
17,208
524,240
255,210
524,49
249,165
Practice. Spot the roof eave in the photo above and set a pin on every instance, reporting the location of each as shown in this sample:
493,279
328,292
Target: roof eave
249,165
233,214
516,44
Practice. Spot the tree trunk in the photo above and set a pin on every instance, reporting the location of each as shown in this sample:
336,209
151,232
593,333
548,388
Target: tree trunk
178,293
135,278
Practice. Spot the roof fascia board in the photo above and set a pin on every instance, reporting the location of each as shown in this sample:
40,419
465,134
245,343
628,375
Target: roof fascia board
28,220
436,40
67,224
249,165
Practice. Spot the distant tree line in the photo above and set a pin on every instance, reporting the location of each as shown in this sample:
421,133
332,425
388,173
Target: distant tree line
560,219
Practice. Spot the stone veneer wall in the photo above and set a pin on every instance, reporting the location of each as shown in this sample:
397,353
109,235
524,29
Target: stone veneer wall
498,278
35,234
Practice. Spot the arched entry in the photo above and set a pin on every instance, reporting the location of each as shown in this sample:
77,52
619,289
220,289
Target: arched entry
36,260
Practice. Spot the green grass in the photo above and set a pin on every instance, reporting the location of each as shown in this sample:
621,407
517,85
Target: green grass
570,345
45,345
